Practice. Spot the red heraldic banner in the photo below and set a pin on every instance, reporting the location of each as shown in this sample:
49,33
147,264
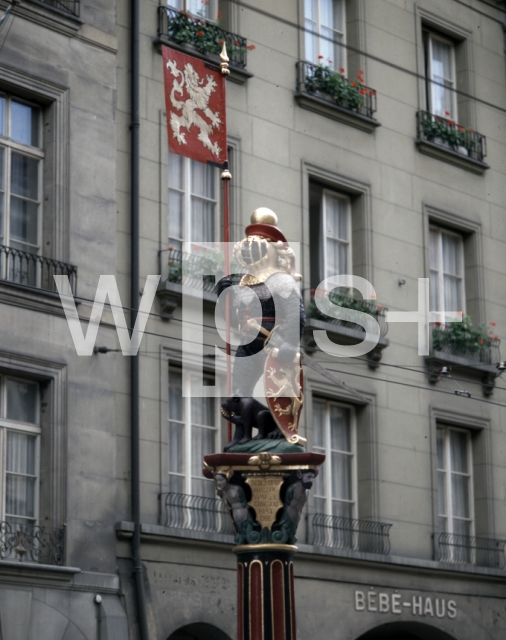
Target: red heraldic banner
196,111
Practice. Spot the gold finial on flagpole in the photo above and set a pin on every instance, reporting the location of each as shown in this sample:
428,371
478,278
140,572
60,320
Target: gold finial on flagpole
224,60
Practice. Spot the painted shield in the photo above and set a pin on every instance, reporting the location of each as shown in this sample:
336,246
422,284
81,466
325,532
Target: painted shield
195,103
284,390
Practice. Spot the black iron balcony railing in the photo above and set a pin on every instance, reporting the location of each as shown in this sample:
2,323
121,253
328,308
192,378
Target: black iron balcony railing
451,135
29,269
318,80
32,543
460,549
207,37
190,268
347,302
347,533
68,6
474,345
195,513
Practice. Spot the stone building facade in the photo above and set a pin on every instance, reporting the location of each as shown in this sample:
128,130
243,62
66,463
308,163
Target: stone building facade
375,131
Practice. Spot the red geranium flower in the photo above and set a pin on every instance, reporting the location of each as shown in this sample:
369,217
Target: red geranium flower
200,33
320,57
493,324
447,113
250,47
218,15
341,69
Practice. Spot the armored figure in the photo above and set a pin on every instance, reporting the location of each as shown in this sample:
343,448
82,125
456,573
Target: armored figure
271,280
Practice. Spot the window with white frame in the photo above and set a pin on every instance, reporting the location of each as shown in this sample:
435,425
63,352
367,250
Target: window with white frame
440,73
324,25
455,481
446,249
334,435
193,201
20,444
21,159
193,433
207,9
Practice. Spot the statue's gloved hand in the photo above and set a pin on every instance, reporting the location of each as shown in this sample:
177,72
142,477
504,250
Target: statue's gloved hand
286,352
223,284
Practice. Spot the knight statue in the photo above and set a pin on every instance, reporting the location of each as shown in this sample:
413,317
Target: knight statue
269,343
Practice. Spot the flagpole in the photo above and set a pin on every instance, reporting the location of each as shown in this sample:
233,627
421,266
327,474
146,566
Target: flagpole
226,176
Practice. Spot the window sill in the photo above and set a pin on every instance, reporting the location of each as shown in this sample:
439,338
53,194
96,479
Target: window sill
237,74
46,16
452,157
335,112
488,372
346,336
170,295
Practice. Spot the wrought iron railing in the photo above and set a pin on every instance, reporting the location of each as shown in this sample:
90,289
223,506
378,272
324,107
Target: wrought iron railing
370,307
190,268
317,80
207,37
444,341
460,549
347,533
32,543
451,135
195,513
32,270
68,6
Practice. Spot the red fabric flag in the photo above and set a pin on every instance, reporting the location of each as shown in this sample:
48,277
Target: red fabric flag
196,111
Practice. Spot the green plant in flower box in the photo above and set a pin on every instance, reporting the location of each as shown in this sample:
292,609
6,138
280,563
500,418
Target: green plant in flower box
462,336
346,93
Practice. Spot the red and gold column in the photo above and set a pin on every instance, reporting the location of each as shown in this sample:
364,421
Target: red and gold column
265,597
265,495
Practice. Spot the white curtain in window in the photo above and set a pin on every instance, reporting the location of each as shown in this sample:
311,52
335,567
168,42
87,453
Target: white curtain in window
446,271
336,213
442,78
20,477
324,32
454,481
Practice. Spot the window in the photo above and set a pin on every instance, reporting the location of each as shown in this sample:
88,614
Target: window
440,74
330,233
193,201
334,435
324,24
446,251
19,444
455,481
206,9
193,433
21,159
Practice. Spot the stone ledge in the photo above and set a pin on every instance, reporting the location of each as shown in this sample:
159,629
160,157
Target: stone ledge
335,112
46,16
348,336
159,533
31,298
35,574
237,74
487,372
166,535
452,157
170,294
